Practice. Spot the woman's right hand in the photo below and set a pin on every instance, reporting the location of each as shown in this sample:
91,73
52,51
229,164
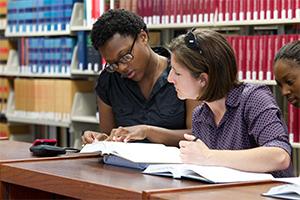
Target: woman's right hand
90,136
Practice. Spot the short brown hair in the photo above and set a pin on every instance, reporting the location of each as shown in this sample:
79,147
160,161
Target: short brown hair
214,57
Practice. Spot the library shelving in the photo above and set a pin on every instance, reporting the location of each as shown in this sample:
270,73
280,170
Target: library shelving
83,112
2,23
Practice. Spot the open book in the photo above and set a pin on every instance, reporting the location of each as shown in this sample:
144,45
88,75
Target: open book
286,191
212,174
135,152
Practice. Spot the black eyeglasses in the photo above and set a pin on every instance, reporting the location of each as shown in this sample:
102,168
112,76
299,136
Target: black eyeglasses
191,41
124,59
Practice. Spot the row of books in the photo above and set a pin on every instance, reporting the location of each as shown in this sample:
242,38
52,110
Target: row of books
46,55
255,54
48,98
198,11
293,123
39,15
4,92
3,7
9,129
88,57
5,46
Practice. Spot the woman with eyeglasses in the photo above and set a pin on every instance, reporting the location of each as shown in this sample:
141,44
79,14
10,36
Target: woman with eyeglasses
287,71
237,125
135,100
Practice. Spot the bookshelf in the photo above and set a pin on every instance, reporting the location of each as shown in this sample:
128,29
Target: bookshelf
83,112
13,70
2,24
265,18
84,108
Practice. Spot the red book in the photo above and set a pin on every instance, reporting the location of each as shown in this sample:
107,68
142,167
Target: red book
95,10
277,46
297,137
262,9
172,12
227,10
291,122
247,54
177,11
230,9
242,7
242,60
150,11
235,10
185,11
235,46
296,124
213,10
255,9
195,11
255,57
161,11
270,56
205,11
261,48
200,11
284,4
189,11
140,8
277,9
269,9
249,10
297,9
221,10
265,56
290,8
165,12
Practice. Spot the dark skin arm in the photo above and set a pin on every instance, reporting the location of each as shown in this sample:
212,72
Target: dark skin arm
153,133
137,132
107,123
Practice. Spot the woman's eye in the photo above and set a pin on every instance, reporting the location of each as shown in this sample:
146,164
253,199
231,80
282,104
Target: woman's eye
289,82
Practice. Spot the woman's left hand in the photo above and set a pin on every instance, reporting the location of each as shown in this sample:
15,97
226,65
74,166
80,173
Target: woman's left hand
130,133
194,152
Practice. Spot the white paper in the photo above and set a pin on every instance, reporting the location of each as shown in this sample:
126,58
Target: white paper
211,173
287,191
136,152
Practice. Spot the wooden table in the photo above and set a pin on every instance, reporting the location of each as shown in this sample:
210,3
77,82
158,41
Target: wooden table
81,179
14,151
244,191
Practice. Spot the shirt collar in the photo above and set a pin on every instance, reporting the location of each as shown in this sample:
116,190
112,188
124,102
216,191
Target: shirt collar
234,96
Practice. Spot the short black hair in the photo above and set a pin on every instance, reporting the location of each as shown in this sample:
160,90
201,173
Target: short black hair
116,21
289,52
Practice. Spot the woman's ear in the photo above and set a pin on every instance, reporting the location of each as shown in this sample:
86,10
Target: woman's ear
203,79
144,36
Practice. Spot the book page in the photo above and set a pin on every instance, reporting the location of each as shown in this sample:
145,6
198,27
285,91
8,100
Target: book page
219,174
207,173
136,152
293,180
287,191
